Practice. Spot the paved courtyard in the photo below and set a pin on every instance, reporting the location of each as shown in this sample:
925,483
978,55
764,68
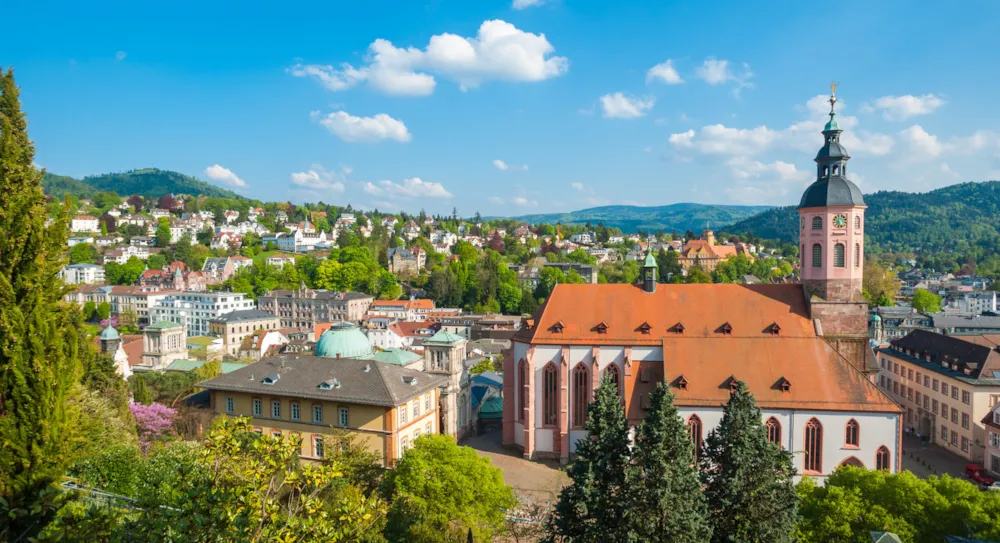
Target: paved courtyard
535,483
926,460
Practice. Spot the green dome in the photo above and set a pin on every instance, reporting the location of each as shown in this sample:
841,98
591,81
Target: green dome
650,260
343,340
396,356
876,318
109,334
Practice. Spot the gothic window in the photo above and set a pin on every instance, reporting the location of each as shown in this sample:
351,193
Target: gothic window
857,255
817,223
615,376
773,430
882,458
852,433
814,446
817,255
550,395
522,393
838,255
694,429
581,394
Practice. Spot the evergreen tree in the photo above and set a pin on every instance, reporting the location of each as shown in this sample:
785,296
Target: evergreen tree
748,479
595,507
140,392
163,233
38,335
666,497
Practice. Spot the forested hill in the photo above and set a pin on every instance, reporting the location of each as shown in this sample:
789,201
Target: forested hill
674,217
945,219
149,182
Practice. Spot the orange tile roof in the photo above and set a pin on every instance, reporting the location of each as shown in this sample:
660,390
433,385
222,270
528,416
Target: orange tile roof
703,353
409,329
421,304
751,310
702,247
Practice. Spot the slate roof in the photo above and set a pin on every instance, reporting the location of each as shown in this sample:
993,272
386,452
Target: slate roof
363,382
835,191
978,354
244,315
957,321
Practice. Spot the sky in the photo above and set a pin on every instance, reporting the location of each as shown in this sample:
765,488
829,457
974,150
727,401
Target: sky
510,107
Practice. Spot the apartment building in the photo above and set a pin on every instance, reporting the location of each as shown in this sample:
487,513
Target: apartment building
194,309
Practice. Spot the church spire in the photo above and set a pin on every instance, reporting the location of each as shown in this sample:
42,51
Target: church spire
831,161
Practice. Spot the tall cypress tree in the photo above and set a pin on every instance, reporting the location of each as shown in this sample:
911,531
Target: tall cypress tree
665,492
748,479
38,333
595,507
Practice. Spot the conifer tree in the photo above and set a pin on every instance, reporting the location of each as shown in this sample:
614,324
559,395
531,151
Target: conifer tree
665,492
595,507
748,479
38,334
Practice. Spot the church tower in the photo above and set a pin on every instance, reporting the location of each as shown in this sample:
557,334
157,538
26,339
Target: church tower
832,224
831,251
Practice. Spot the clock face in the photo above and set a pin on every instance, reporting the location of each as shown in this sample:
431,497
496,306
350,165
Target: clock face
840,221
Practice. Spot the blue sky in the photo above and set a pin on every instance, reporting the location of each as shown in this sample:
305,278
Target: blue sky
510,107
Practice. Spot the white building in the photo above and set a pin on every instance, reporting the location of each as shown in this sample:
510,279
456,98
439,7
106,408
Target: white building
194,309
84,223
992,423
76,274
73,240
585,238
107,241
977,303
122,254
280,260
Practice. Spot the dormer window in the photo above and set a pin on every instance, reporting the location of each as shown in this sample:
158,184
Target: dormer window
271,379
726,329
330,384
678,328
731,383
681,383
602,327
645,327
784,384
557,328
411,380
774,329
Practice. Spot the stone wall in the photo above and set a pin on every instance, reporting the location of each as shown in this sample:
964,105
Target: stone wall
835,290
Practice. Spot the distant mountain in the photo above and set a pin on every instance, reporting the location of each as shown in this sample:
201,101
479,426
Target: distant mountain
149,182
673,217
903,221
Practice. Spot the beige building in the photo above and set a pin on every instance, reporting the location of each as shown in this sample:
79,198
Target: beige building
236,326
305,308
947,385
384,406
162,343
444,354
992,423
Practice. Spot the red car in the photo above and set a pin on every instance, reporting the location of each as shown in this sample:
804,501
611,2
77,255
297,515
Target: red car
978,474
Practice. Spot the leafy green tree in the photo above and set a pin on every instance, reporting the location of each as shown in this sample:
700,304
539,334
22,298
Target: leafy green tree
182,249
38,335
163,233
82,253
879,283
103,310
697,275
747,479
854,501
442,491
667,264
548,278
665,492
253,488
925,301
594,508
581,256
89,309
528,304
140,392
124,274
509,297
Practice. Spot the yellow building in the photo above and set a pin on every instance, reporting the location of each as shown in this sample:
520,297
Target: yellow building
946,384
236,326
385,406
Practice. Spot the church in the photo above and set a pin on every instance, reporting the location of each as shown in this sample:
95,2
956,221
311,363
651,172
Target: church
802,349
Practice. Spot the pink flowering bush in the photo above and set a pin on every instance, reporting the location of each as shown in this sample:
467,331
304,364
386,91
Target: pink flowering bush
154,422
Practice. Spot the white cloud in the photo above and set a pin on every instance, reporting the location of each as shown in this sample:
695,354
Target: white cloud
665,72
923,145
363,129
757,181
499,51
318,179
920,142
945,169
718,72
519,201
413,187
523,4
578,186
899,108
225,176
346,169
120,55
506,166
620,106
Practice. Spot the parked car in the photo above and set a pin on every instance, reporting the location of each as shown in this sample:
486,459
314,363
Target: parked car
979,475
994,487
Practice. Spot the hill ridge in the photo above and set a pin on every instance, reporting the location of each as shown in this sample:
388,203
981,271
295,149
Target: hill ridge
150,182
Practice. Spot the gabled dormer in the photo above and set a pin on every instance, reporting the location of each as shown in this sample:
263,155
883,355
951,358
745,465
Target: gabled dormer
678,328
601,328
680,383
645,327
725,329
557,327
783,385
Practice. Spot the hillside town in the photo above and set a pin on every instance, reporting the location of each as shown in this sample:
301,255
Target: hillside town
228,359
